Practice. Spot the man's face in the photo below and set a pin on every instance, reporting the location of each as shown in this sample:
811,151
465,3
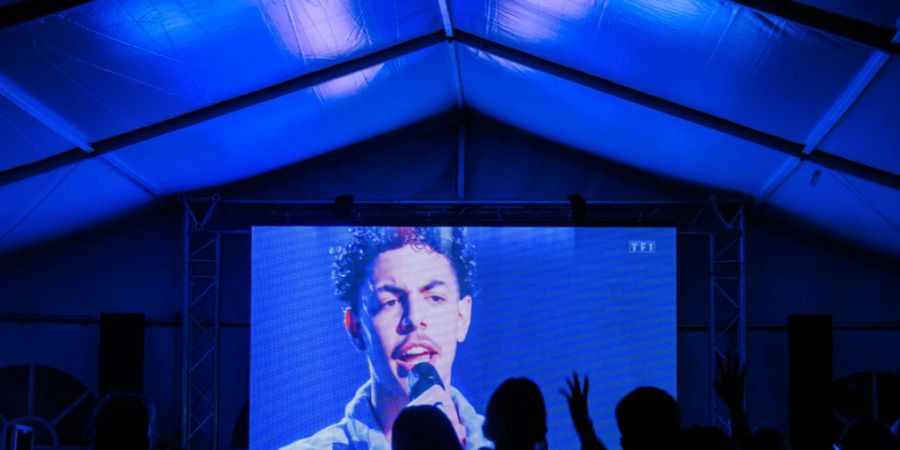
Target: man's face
414,314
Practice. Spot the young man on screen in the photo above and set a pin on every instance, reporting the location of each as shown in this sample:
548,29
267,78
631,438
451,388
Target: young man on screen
408,296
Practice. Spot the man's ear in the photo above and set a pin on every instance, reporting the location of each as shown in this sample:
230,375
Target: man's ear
465,318
352,325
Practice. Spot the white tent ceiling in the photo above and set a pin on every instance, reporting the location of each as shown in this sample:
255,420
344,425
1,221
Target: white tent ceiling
107,106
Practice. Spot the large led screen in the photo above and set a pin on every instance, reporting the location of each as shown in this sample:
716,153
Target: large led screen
341,315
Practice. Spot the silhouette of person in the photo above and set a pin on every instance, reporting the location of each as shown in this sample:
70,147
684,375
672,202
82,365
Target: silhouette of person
648,419
424,427
516,416
705,438
124,421
576,396
730,386
867,434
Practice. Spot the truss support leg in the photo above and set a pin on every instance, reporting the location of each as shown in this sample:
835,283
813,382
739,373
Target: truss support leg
727,305
200,333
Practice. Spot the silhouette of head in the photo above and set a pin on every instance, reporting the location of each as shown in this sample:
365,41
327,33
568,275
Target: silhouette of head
123,421
648,419
705,438
423,427
767,438
867,434
516,417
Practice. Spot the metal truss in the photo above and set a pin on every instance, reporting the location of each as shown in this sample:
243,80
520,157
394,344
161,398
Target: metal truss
206,219
727,297
237,216
201,330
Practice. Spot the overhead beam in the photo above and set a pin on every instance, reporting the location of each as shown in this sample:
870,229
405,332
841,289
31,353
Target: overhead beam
456,75
454,55
21,12
858,170
839,108
41,113
875,36
630,94
777,143
461,160
221,108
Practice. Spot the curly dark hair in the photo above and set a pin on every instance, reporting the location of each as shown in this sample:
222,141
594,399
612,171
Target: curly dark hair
352,260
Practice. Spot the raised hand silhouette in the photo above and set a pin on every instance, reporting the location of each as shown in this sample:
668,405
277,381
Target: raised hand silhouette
578,408
730,384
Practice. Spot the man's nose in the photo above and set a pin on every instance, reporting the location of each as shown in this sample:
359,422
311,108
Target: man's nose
414,315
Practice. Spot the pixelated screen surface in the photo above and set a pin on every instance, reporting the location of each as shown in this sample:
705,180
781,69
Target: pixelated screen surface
544,301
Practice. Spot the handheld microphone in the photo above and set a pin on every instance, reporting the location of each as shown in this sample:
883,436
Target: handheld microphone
421,378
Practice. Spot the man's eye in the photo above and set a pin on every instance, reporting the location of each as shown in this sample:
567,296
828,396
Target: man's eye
389,303
435,298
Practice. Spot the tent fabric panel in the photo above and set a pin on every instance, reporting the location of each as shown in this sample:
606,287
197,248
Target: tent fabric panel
869,132
615,129
717,57
296,126
544,170
64,200
24,139
380,168
109,67
852,209
885,13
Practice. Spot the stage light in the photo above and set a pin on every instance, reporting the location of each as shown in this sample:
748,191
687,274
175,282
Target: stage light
579,207
343,207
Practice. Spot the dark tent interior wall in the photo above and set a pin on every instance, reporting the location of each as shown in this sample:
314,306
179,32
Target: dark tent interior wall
109,111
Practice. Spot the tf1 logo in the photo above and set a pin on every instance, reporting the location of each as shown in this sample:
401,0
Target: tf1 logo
641,246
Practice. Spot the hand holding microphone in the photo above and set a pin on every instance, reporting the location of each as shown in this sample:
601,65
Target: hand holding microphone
422,377
427,388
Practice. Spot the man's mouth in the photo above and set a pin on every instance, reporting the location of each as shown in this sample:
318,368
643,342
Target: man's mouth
414,353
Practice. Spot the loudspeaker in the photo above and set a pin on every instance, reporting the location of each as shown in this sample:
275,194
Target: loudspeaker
809,382
121,353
